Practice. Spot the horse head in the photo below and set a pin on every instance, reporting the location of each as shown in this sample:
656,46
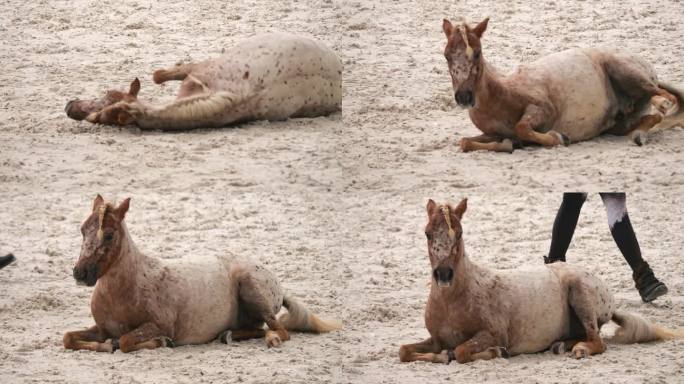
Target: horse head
103,234
463,53
112,108
444,240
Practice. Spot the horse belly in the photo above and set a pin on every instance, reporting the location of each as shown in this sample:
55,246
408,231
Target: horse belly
280,76
543,314
211,307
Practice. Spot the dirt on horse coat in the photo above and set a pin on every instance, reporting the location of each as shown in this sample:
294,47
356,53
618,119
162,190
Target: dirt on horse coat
271,76
565,97
477,313
144,302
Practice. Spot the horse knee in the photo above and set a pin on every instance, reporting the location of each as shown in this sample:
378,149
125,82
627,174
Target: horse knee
462,354
126,344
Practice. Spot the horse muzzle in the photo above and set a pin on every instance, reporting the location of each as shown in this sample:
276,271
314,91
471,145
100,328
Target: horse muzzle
465,98
86,276
73,110
443,276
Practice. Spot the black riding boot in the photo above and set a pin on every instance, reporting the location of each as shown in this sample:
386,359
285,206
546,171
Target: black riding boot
650,288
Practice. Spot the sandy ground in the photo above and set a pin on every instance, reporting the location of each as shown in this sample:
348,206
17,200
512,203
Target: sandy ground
333,205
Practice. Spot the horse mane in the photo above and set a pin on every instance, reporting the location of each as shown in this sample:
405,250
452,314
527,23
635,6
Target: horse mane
447,216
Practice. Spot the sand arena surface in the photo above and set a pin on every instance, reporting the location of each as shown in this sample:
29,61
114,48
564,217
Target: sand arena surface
334,206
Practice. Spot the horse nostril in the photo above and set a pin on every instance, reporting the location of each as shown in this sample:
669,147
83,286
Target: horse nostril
443,274
464,98
79,274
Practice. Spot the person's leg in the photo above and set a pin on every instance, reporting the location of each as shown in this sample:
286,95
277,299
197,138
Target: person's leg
564,225
648,285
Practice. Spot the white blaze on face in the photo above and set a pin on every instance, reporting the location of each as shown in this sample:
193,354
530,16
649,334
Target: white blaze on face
460,65
464,35
443,240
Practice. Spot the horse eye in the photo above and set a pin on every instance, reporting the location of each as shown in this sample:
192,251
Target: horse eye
428,235
477,55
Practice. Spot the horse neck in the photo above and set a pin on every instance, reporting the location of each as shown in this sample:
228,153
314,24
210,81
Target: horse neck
130,264
490,85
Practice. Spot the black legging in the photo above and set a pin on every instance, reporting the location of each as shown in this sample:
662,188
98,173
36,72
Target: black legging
618,220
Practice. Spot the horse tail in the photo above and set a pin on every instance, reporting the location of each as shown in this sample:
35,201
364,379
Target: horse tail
676,118
635,329
6,260
179,72
299,318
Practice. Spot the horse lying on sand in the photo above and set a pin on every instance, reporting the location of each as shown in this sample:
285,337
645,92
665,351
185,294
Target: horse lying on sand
565,97
271,76
143,302
475,313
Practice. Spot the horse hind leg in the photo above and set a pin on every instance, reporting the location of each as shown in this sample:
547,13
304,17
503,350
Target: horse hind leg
662,104
636,81
262,298
179,72
582,299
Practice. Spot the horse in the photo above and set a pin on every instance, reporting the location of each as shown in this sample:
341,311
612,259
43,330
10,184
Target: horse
562,98
270,76
476,313
141,302
6,260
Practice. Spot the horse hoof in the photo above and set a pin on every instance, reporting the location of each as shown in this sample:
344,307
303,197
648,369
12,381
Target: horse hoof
115,345
580,352
558,348
273,340
465,145
223,337
502,352
167,342
562,138
639,138
663,105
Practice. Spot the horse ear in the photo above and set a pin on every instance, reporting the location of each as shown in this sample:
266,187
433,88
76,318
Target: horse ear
121,210
447,27
481,28
431,206
135,88
97,202
461,208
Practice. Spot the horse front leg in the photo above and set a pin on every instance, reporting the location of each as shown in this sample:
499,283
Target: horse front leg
486,143
535,117
427,350
482,346
91,339
146,336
